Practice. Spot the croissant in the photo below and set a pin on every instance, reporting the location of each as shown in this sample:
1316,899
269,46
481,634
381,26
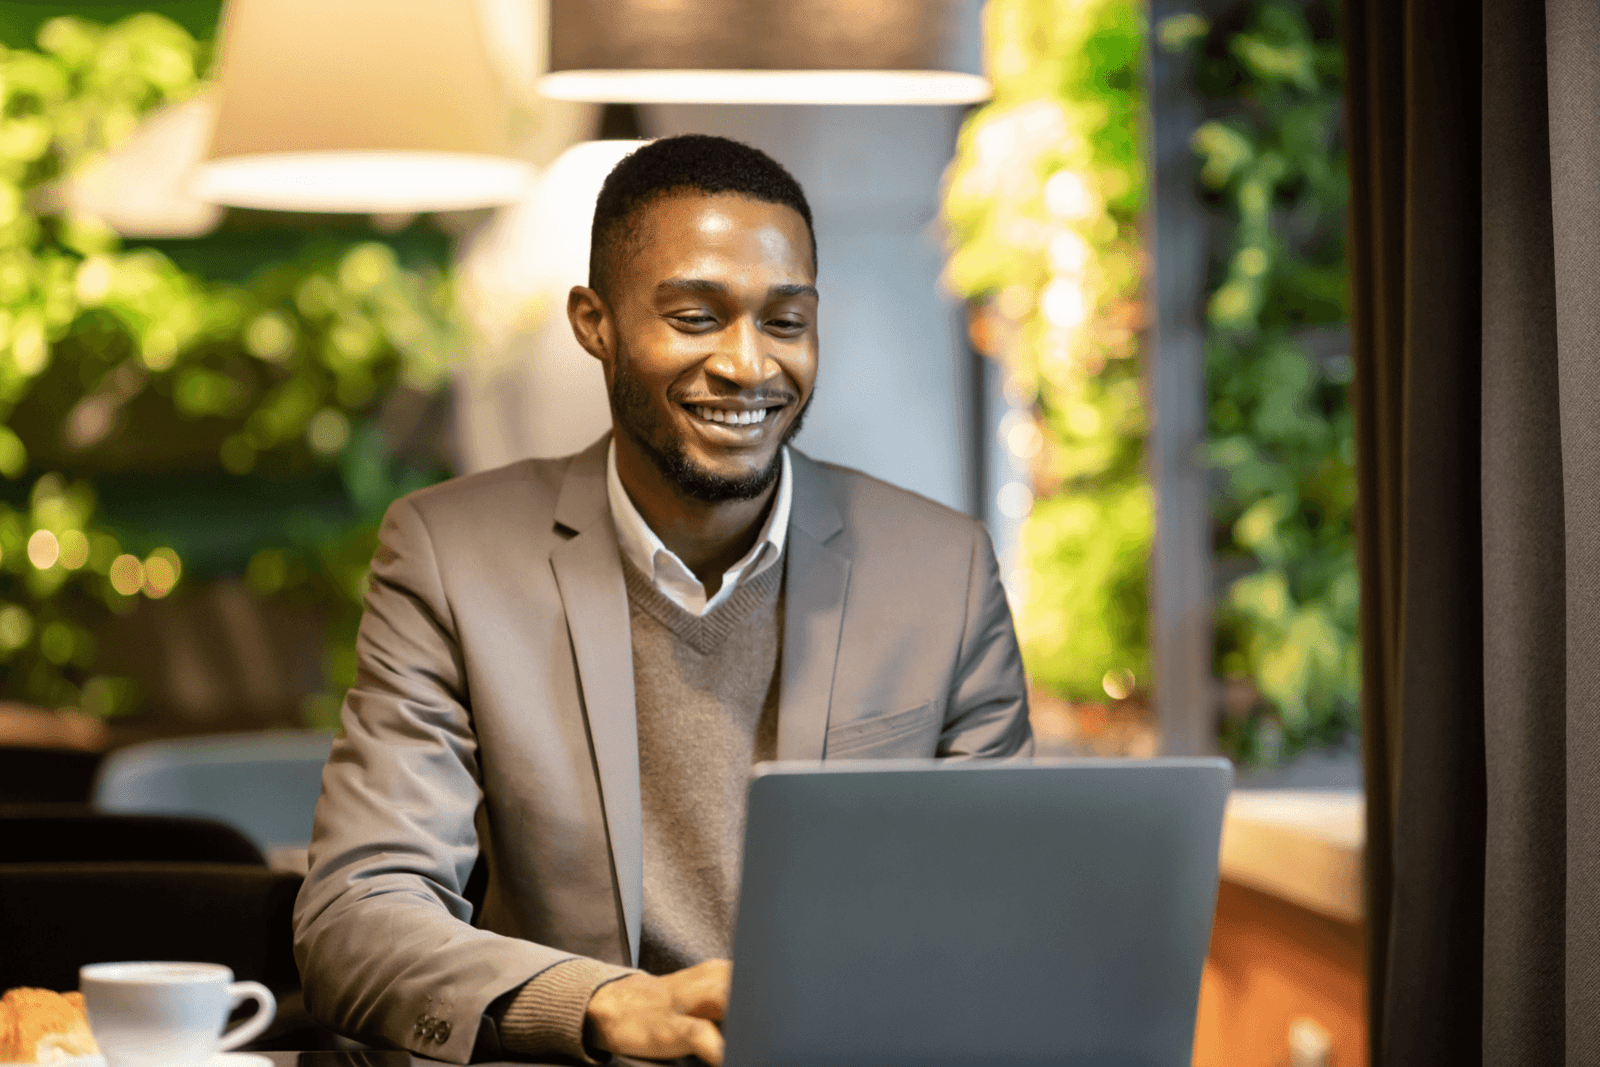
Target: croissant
40,1026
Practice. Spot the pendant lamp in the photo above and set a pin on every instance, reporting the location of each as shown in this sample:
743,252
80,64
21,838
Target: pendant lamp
765,51
360,106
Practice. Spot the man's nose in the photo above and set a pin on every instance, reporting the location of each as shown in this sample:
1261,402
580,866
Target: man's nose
742,357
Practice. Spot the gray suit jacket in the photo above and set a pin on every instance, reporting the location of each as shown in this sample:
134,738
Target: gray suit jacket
493,709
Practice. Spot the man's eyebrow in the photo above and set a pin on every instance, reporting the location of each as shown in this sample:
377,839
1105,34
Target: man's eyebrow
792,290
706,285
693,285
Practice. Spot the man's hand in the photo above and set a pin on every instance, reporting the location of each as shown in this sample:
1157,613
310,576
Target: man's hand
662,1018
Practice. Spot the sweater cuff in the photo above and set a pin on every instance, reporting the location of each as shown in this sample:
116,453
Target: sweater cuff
546,1016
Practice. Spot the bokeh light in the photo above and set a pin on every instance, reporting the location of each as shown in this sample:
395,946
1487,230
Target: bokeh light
43,549
93,283
270,336
1064,304
16,626
161,571
1069,253
74,549
328,432
1118,683
127,574
268,571
1024,439
1015,500
1068,196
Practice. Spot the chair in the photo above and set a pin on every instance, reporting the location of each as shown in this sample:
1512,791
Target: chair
264,784
46,775
66,834
60,916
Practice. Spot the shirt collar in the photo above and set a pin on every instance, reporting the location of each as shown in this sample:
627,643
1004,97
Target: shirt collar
671,575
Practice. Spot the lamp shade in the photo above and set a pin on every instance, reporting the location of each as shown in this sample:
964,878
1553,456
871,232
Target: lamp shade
359,105
765,51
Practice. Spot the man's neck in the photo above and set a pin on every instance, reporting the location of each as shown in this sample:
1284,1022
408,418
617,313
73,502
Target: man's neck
708,538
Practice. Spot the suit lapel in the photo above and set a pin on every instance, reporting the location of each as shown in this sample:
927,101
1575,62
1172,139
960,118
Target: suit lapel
814,595
588,571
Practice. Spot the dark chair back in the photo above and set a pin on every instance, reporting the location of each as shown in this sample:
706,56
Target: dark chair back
46,775
56,917
44,834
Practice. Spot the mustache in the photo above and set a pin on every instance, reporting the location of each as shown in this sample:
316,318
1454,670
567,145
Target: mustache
757,396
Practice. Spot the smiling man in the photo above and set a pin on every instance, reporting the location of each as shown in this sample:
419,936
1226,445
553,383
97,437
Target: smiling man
567,667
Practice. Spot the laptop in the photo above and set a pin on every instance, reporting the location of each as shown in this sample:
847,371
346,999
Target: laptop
957,914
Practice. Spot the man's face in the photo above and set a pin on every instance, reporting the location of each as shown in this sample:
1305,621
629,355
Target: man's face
715,341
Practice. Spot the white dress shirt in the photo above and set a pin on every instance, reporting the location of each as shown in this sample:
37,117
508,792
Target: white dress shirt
671,577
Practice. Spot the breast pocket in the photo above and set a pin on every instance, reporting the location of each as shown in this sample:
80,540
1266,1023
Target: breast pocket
912,734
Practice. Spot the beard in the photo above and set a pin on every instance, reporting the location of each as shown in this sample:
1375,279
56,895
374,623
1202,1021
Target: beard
635,416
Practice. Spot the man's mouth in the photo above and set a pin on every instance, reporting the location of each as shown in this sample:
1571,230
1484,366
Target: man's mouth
730,417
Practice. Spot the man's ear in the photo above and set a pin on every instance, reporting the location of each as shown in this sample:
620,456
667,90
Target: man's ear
592,324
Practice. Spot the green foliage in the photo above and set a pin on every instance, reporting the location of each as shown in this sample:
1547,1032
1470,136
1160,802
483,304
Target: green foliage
104,350
1042,202
1278,370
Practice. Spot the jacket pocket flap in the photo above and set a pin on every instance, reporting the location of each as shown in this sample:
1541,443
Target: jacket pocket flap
879,729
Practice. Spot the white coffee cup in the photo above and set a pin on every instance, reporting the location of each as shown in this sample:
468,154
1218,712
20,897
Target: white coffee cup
156,1014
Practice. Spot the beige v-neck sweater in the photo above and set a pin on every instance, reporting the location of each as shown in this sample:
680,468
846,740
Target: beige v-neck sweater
706,690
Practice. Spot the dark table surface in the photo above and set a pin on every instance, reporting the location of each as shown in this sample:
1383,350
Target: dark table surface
389,1059
342,1059
355,1059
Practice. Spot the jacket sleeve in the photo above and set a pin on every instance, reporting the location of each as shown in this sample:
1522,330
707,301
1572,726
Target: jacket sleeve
383,937
986,715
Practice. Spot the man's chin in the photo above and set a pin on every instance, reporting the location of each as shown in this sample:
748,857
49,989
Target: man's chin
717,483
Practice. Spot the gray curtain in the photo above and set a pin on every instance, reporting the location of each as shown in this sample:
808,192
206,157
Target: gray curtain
1541,519
1475,243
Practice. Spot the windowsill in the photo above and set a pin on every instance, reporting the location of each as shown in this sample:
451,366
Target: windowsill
1298,845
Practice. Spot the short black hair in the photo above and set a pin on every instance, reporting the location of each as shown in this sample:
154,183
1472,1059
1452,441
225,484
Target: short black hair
691,163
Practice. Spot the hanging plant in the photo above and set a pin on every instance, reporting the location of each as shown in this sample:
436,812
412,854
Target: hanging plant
1042,203
1279,428
278,376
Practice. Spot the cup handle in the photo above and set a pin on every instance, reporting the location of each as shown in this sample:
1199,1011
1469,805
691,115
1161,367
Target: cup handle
266,1008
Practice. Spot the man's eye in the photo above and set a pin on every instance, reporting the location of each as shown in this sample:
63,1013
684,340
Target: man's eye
694,320
786,324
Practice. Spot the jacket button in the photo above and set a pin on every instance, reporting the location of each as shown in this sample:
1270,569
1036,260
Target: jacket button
441,1032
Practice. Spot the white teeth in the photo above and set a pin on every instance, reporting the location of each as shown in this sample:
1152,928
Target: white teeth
732,418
